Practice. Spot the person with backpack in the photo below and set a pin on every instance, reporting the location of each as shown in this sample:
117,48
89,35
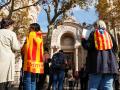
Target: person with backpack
101,62
58,69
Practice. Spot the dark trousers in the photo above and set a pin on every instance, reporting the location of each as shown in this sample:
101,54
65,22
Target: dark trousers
4,86
29,81
71,85
117,85
83,84
50,81
40,81
117,82
58,79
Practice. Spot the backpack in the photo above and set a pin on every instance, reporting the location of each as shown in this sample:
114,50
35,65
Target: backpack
57,61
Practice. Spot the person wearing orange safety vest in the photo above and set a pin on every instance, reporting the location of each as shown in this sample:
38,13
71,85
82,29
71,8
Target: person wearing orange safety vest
101,62
33,57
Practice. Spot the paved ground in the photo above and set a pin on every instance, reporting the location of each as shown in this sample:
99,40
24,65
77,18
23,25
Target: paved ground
13,89
66,87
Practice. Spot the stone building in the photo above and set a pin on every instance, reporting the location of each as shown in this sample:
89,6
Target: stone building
67,37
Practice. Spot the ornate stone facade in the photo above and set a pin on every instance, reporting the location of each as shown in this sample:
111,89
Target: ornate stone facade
67,37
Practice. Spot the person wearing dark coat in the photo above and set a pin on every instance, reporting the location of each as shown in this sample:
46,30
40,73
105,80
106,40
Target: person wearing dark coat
83,78
101,62
58,63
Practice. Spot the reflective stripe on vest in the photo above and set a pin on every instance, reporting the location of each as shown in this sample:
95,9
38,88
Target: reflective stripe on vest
102,41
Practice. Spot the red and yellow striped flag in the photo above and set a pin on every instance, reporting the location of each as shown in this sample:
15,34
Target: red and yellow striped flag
102,41
33,53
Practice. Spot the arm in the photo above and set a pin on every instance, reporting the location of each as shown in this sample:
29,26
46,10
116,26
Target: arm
89,44
15,45
23,48
84,43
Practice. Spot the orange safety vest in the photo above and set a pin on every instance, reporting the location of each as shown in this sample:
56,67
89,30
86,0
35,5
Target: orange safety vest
33,53
102,41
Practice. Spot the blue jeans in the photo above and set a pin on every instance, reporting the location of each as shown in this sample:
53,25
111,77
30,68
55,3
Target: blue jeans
100,82
29,81
58,79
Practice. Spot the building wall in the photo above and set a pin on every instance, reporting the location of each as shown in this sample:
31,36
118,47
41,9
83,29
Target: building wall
67,37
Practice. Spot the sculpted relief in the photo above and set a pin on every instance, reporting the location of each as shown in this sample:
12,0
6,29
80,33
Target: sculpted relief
68,30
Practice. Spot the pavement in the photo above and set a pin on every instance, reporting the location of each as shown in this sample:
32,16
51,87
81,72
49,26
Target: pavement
13,88
66,86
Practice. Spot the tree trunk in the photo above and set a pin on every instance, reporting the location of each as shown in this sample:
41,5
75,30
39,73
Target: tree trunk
49,36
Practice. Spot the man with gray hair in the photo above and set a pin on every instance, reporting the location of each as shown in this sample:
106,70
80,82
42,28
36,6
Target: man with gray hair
101,24
101,62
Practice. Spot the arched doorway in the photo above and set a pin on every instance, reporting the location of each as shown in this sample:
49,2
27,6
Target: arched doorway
67,43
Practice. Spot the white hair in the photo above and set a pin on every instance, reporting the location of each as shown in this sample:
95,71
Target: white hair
101,24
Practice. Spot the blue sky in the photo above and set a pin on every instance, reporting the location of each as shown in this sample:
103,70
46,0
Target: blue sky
89,16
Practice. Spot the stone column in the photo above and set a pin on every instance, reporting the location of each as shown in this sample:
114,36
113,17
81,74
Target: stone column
51,52
76,57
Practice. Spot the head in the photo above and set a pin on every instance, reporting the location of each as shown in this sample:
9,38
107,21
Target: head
84,25
46,50
34,27
6,23
101,24
95,25
61,51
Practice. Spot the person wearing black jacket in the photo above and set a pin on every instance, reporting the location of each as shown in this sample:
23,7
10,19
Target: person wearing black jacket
83,78
101,64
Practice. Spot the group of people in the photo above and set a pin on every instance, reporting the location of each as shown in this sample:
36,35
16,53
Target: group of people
101,62
32,54
35,59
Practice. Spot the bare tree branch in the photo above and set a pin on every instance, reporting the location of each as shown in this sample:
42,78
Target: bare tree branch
56,16
56,6
48,13
61,11
11,9
34,4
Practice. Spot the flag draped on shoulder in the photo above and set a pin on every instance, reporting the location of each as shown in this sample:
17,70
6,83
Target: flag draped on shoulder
102,40
33,53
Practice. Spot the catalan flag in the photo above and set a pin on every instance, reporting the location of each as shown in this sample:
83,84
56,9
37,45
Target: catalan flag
102,40
33,53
